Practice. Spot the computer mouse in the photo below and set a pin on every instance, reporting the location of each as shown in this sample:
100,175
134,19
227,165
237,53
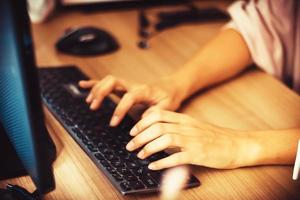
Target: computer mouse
87,41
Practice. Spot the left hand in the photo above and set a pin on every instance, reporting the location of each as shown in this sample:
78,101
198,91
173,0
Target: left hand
199,143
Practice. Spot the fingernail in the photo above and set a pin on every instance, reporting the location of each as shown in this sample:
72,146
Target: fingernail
130,146
152,166
141,154
114,120
89,98
93,104
133,131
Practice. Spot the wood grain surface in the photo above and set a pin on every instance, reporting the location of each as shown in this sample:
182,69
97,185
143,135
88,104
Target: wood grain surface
251,101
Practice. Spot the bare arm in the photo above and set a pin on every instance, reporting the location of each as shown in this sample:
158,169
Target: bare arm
270,147
220,59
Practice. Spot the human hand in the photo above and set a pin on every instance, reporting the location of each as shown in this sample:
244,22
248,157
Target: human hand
163,94
199,143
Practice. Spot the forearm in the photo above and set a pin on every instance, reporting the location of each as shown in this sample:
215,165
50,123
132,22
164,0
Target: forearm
222,58
269,147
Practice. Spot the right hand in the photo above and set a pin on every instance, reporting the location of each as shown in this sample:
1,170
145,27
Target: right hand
162,94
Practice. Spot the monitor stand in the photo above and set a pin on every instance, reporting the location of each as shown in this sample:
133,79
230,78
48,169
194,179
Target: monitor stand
10,164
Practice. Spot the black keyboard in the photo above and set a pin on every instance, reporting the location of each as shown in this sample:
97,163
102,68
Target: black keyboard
90,129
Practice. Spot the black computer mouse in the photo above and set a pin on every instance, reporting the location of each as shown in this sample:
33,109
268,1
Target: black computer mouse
87,41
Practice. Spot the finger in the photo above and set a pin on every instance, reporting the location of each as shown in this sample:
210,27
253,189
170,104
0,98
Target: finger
159,144
173,160
92,94
164,105
90,97
150,110
155,115
148,135
87,84
134,96
161,116
124,105
102,89
101,92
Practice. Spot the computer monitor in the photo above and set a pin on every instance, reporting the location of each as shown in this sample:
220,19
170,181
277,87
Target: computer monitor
22,122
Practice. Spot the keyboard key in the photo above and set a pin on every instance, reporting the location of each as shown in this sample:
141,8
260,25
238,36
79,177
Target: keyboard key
130,177
137,185
114,146
117,163
137,172
79,135
148,181
105,163
125,186
99,156
143,162
100,144
122,152
110,156
106,151
92,148
117,176
85,141
131,165
123,170
156,176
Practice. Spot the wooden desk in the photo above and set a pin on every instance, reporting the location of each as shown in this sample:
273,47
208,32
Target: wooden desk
253,100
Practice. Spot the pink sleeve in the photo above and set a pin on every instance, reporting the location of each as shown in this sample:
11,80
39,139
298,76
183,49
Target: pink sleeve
264,26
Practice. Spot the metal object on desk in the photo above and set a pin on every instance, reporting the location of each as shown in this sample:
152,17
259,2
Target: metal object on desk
167,20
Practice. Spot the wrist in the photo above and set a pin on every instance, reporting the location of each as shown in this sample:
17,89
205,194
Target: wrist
176,88
189,80
250,150
181,85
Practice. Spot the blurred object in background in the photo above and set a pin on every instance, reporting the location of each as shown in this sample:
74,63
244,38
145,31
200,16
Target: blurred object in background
40,10
297,164
171,19
174,180
69,2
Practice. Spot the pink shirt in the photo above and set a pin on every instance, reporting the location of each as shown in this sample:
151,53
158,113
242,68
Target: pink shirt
271,29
